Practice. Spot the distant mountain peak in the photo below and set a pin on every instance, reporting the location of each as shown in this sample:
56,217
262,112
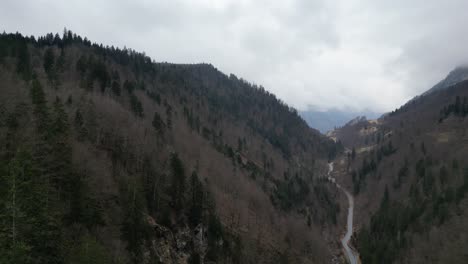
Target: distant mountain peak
457,75
356,120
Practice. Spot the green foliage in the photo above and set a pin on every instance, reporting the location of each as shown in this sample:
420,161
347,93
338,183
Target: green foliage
286,131
49,60
463,188
89,251
359,178
37,93
60,126
154,184
459,108
136,105
194,259
215,235
178,182
223,247
30,220
60,64
84,209
290,192
58,198
16,180
129,86
387,235
79,125
50,67
196,200
158,123
81,66
192,120
334,150
403,172
116,88
155,96
23,65
135,231
3,51
40,192
385,150
168,116
41,110
99,72
328,203
90,70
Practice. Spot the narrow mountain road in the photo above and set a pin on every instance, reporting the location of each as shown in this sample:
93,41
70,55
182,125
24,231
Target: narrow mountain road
350,253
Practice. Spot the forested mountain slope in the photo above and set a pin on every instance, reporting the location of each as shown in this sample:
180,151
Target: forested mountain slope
409,173
455,76
109,157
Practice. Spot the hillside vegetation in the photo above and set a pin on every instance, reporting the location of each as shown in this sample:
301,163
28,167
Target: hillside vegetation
110,157
409,172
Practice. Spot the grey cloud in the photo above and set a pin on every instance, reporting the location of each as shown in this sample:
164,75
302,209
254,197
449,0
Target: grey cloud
311,53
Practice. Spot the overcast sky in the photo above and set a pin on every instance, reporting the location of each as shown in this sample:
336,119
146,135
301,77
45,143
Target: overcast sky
321,54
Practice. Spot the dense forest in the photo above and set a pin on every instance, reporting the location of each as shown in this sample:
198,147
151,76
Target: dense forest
107,156
409,173
110,157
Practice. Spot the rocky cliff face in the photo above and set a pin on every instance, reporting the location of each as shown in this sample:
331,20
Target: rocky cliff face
181,246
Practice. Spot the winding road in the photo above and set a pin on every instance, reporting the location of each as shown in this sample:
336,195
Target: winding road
350,253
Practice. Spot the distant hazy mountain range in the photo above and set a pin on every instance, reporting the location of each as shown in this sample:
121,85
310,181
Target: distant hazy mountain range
327,120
